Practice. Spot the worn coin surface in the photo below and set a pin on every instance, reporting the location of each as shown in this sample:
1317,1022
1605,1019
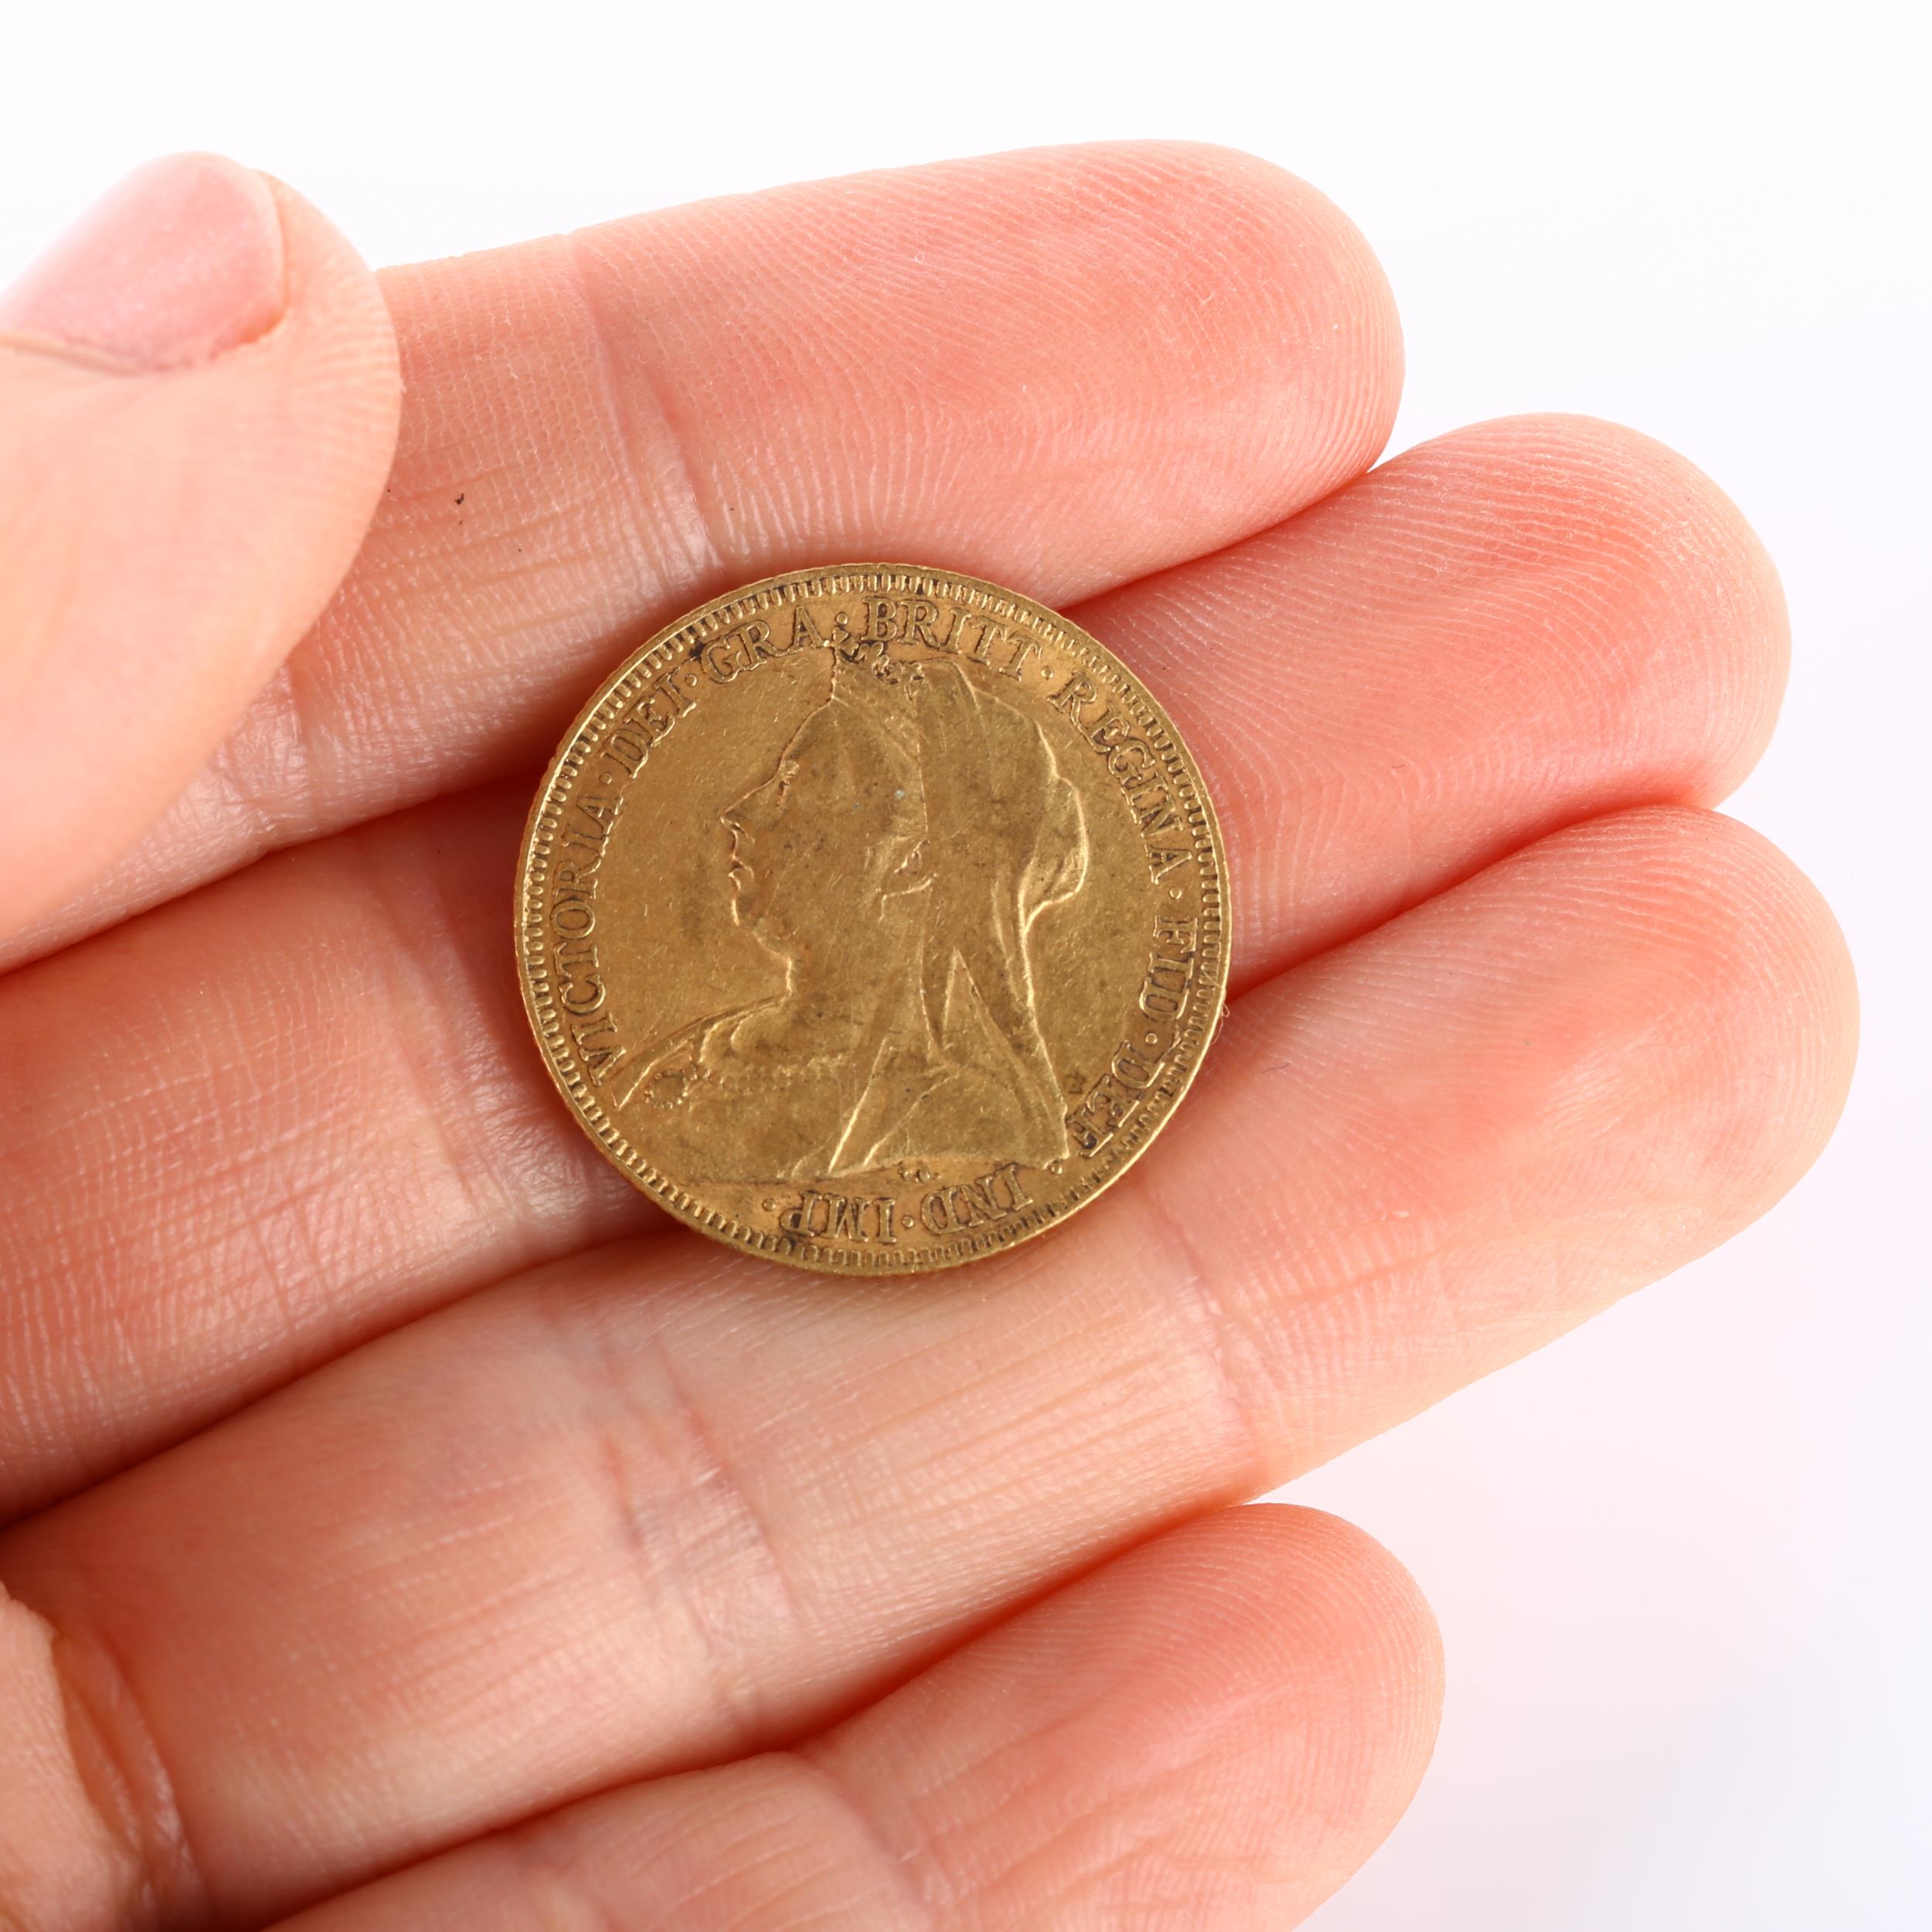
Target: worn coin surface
872,918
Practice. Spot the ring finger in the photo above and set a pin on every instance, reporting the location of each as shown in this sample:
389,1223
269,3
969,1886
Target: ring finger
665,1504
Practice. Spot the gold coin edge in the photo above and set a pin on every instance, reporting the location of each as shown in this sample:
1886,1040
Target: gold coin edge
552,1037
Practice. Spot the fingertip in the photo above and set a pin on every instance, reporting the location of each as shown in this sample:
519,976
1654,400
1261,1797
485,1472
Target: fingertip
1654,555
1732,980
181,261
341,331
1321,1619
1252,1697
1307,281
183,485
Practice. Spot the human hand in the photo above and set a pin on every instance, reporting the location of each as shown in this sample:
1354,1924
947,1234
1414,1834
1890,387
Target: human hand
385,1473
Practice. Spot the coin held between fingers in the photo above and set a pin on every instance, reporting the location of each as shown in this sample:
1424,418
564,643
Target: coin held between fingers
872,918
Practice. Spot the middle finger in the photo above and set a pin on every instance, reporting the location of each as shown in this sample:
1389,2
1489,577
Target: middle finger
1517,626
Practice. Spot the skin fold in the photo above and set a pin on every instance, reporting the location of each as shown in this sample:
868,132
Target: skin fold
403,1525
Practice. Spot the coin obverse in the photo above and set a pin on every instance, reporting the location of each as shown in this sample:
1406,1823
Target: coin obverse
872,918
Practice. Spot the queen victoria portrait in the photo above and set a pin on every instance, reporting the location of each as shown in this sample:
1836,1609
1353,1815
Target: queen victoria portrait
893,862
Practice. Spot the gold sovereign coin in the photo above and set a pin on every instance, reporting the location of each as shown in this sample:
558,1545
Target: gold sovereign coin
872,918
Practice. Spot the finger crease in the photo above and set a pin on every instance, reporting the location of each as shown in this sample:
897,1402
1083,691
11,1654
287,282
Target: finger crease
426,923
1234,1367
118,1758
898,1865
677,504
705,1512
265,770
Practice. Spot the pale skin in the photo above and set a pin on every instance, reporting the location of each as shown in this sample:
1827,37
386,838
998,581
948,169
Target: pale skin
408,1529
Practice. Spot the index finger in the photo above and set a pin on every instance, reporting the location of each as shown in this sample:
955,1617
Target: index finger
1060,369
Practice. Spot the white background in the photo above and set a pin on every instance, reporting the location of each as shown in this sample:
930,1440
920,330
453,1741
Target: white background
1682,1559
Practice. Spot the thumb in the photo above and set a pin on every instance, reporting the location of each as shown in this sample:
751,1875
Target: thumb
199,397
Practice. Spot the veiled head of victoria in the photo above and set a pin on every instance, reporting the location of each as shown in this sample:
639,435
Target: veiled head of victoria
835,825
